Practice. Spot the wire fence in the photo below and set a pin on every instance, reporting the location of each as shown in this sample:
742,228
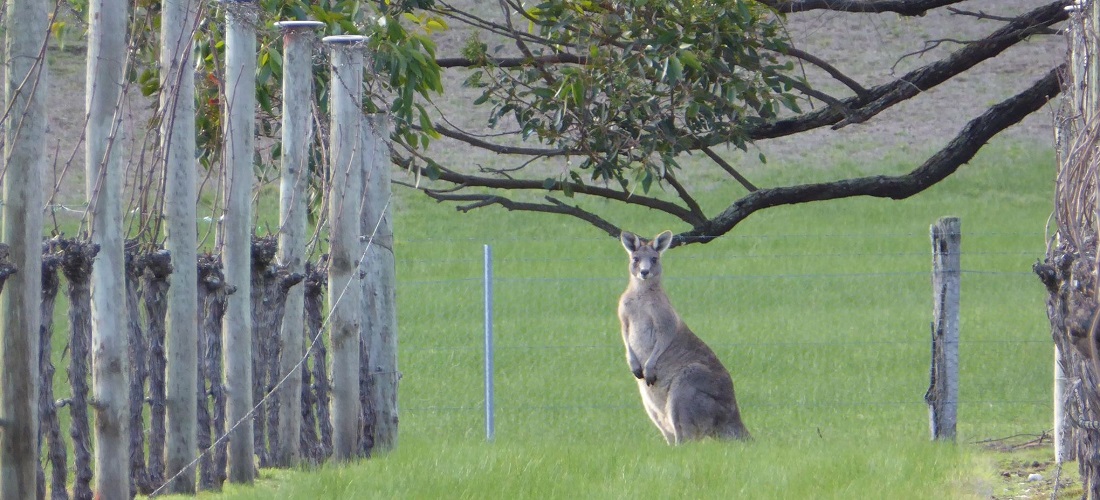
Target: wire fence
853,312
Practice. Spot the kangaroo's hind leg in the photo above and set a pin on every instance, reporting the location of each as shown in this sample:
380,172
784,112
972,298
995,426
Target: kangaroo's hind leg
693,411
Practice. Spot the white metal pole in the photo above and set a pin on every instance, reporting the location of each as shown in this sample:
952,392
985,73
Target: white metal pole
490,426
1061,430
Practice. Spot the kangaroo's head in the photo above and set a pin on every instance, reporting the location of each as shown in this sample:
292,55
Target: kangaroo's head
645,256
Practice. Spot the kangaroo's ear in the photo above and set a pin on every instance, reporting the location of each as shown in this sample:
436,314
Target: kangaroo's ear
631,242
662,241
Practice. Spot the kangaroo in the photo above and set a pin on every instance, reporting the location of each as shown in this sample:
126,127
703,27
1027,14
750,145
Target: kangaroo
685,389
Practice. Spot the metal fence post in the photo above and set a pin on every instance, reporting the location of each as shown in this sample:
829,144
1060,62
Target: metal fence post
490,427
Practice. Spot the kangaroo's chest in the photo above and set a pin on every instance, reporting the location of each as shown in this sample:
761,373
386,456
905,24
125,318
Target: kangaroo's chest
645,321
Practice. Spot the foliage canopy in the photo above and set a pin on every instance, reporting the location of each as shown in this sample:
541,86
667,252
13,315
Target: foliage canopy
615,90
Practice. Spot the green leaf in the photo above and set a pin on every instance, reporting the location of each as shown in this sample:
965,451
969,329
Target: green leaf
675,70
263,98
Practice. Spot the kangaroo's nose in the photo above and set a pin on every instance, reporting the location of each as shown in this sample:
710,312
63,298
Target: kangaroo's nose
643,272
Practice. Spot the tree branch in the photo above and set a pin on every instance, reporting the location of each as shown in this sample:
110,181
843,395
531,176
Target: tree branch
553,207
959,151
513,62
684,195
729,169
884,96
673,209
828,68
498,148
902,7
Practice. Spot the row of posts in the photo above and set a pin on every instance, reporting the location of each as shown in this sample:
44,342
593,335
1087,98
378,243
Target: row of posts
360,230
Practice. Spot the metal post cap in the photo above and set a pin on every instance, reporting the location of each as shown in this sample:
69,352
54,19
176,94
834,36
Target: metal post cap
298,24
344,39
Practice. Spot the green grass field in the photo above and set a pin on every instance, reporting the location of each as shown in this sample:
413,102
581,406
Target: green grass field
821,312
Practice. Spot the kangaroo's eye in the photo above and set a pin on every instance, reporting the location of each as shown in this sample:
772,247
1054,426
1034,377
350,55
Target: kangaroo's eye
653,260
635,260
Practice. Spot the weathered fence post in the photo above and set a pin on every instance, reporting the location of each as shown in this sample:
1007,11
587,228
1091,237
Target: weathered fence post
297,135
943,392
107,24
240,113
345,193
24,161
177,108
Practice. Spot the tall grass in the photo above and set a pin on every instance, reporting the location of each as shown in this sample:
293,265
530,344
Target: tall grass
821,312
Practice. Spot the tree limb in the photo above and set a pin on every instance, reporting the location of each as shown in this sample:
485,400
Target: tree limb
902,7
828,68
554,206
959,151
884,96
499,148
729,169
684,194
513,62
673,209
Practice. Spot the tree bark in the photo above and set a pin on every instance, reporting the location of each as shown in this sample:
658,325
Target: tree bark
50,429
212,303
265,285
1068,270
138,352
211,417
76,264
154,291
316,435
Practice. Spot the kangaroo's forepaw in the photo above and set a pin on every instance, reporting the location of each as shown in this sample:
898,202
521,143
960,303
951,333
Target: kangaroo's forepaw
650,378
637,373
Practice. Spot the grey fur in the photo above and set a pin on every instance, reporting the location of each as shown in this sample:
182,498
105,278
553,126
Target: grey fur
685,389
